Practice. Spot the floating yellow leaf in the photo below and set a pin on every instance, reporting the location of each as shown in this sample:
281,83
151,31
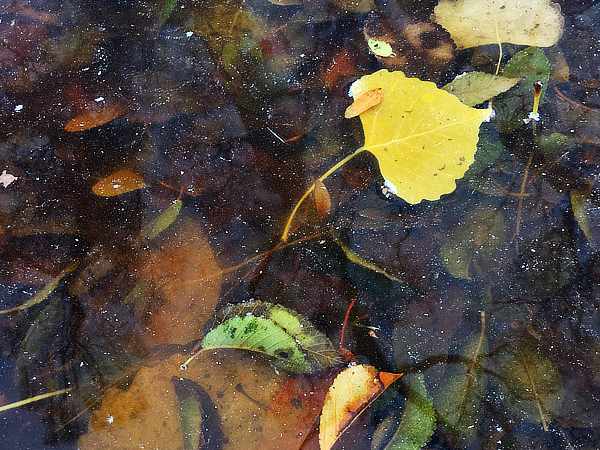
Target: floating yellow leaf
424,138
352,391
364,102
472,23
117,183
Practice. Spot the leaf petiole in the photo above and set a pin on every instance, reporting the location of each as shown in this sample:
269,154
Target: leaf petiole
330,171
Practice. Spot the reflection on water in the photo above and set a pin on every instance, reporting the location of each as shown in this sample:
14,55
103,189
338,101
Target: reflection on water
150,155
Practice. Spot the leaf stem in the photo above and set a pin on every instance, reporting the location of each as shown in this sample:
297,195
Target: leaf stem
33,399
330,171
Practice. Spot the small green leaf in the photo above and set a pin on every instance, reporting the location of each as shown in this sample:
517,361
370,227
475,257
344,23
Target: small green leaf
579,204
380,48
530,65
293,343
163,221
553,145
418,420
190,413
44,293
473,88
166,11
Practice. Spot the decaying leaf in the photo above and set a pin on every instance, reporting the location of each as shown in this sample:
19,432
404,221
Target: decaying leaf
292,342
254,406
94,118
352,391
418,419
458,401
183,278
474,88
322,199
118,183
580,203
364,102
199,427
481,22
476,240
532,382
44,293
164,220
423,145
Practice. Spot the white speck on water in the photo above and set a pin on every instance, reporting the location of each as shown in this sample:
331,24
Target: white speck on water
18,108
189,33
110,420
99,99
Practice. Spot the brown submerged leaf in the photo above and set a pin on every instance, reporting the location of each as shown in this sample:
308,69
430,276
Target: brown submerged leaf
118,183
94,118
322,199
254,407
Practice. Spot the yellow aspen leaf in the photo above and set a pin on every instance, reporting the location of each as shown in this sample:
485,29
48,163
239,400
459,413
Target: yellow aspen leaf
352,391
322,199
94,118
423,137
364,102
472,23
117,183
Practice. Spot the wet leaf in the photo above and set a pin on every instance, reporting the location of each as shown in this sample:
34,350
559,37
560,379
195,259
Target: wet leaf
533,383
473,88
183,278
44,293
167,9
291,341
322,199
94,118
554,145
118,183
459,400
579,204
476,240
249,404
418,420
364,102
352,391
380,48
531,65
191,413
164,220
422,146
481,22
355,258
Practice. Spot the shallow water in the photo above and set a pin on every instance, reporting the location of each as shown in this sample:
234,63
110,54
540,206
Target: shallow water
151,153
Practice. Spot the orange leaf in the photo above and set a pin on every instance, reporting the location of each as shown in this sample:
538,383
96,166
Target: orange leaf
117,183
352,392
364,102
322,199
94,118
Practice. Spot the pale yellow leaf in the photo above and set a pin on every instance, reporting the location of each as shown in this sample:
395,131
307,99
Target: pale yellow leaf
352,391
472,23
423,137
